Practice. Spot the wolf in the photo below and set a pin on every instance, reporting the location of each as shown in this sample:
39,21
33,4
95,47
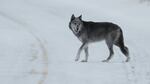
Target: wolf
89,32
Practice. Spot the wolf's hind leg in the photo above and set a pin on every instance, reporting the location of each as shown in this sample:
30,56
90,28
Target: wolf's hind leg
110,47
123,48
125,51
79,51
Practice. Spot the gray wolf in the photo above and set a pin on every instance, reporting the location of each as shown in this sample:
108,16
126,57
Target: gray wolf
89,32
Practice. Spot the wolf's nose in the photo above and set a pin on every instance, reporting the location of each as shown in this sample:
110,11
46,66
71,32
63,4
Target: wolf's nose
77,29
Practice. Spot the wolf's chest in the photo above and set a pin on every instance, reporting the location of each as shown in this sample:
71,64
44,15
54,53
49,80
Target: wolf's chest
90,37
83,37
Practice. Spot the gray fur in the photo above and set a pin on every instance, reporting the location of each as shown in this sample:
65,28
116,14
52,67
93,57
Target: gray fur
88,32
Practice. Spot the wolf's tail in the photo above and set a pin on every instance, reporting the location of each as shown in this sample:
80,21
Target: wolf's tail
125,51
123,48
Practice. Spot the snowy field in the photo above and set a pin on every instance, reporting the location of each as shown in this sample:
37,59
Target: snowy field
37,46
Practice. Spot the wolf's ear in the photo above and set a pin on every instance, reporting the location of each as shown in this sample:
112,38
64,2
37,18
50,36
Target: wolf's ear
72,17
80,17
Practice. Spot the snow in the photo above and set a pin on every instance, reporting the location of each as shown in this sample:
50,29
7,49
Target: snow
37,47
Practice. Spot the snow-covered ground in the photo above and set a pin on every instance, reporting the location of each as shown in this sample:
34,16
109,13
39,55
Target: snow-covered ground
37,47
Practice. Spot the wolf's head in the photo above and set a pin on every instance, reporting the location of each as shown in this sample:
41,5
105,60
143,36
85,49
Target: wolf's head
76,24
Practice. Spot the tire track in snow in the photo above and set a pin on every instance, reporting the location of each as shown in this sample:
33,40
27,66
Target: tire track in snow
37,38
45,57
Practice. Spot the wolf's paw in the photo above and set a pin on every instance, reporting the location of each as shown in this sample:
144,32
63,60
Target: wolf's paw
128,59
76,59
84,61
105,60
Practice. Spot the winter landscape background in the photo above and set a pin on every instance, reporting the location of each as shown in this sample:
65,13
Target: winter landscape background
37,46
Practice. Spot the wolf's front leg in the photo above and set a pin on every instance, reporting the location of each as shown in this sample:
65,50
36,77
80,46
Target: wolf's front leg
86,54
79,51
78,55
